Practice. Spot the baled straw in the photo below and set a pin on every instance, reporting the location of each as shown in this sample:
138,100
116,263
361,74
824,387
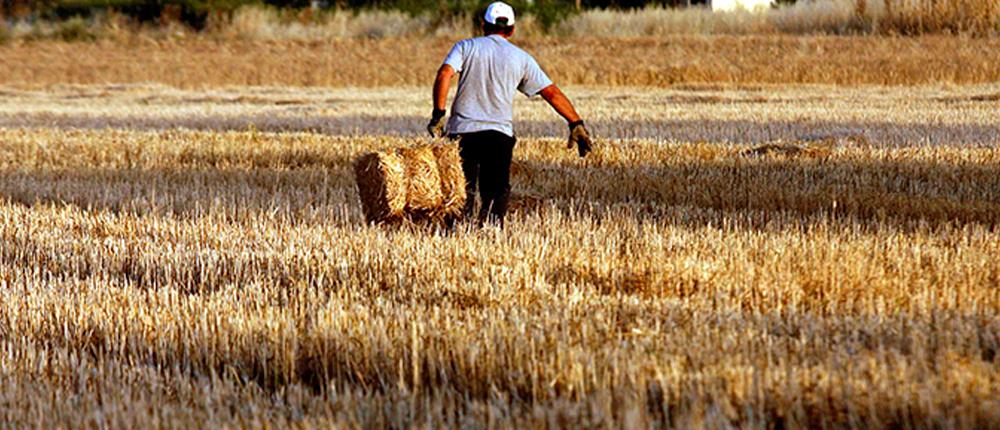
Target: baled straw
449,165
423,183
381,178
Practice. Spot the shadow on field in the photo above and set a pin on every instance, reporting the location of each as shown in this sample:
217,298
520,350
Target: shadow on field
895,192
354,361
304,194
878,133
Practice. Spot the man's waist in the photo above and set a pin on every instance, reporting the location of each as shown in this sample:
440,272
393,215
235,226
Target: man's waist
472,126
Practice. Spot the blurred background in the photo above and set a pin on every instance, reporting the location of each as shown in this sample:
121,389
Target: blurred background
321,19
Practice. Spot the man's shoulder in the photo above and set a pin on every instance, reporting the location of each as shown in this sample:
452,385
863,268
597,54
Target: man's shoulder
472,40
518,50
512,49
494,44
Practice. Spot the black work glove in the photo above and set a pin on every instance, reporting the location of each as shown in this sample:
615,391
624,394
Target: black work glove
578,135
436,126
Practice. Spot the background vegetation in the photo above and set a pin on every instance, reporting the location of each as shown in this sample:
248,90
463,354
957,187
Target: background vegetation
87,19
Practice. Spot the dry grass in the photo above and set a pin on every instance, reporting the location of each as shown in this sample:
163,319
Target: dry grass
850,17
753,115
871,17
174,277
662,61
822,17
267,24
977,17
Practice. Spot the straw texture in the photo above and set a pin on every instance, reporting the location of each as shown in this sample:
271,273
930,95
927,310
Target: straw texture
449,165
423,183
417,183
381,179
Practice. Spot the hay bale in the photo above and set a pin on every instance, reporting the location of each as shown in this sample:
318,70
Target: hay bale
381,179
423,182
449,165
419,183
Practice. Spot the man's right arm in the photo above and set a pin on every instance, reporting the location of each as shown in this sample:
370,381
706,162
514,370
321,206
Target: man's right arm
440,99
441,84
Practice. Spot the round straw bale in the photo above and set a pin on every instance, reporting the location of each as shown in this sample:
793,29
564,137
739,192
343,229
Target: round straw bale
449,165
381,179
423,183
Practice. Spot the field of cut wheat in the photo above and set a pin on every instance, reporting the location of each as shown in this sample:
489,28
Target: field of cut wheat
199,61
754,256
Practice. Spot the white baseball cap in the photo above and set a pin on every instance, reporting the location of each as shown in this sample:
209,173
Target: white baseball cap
500,13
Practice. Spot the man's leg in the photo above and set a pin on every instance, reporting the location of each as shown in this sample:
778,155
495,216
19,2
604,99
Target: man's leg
468,149
494,176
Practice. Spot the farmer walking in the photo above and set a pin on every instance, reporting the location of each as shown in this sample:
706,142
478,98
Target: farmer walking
490,68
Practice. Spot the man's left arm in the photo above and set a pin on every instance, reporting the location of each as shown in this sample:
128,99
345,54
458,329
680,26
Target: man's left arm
578,134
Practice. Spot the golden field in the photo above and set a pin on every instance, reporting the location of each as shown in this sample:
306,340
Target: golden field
199,61
751,256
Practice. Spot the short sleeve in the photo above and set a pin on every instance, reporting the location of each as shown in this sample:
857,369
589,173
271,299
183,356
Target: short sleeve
456,57
534,79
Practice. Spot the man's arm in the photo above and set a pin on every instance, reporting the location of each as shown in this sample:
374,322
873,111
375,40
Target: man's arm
440,99
441,84
560,103
578,134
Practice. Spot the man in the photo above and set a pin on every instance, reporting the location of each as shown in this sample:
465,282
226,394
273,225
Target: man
490,70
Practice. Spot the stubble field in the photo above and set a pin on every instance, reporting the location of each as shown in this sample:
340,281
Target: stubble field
750,255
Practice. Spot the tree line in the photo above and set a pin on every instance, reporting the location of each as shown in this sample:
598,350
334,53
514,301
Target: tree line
196,12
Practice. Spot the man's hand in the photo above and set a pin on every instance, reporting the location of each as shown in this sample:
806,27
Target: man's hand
436,126
579,136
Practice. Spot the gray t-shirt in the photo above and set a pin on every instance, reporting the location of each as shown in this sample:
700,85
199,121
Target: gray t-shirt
490,68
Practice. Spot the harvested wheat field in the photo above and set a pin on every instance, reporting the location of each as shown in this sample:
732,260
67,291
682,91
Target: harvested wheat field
196,62
748,256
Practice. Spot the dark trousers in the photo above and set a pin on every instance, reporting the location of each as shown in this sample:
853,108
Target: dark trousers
486,157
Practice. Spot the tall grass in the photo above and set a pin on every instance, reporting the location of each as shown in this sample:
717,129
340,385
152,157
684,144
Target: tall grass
5,34
197,61
901,17
908,17
270,24
977,17
830,17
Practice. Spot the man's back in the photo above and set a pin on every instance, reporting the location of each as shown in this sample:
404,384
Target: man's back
491,70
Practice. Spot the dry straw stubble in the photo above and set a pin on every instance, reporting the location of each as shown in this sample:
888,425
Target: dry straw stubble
244,290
